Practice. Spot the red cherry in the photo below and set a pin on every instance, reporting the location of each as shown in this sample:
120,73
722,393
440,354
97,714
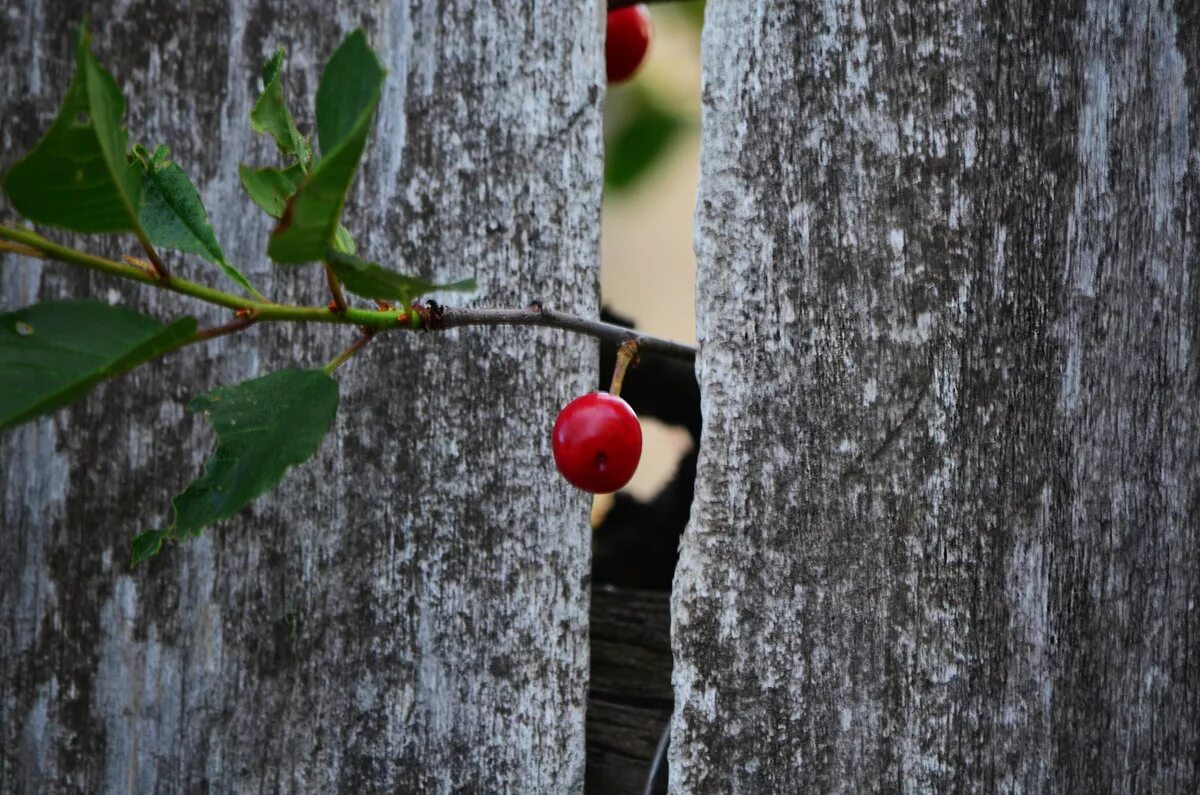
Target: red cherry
627,41
597,442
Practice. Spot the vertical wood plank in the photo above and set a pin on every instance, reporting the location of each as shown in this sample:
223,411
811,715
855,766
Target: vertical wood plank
946,533
409,611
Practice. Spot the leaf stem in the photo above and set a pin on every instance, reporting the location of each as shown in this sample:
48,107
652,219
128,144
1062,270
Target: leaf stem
152,255
24,251
335,288
243,321
430,317
349,353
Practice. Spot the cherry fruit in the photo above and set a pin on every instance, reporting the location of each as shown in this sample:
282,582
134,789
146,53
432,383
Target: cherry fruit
627,42
597,442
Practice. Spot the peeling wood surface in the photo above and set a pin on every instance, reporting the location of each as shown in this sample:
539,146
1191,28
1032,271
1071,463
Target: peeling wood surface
946,534
409,612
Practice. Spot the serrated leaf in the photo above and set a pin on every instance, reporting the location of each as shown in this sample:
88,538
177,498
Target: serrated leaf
264,426
77,177
52,353
349,88
270,188
372,280
309,224
270,115
173,216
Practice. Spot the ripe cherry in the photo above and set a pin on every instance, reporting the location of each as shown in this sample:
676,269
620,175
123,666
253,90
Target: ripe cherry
627,41
597,442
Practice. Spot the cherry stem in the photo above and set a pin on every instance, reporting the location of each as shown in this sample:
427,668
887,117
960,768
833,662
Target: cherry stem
626,355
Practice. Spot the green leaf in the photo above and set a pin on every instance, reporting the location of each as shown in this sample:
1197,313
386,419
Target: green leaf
52,353
308,226
639,143
146,545
77,177
173,215
270,115
264,427
270,188
349,89
371,280
343,242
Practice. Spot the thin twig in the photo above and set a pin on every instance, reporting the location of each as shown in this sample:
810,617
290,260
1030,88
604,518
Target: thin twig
433,319
242,322
537,315
265,310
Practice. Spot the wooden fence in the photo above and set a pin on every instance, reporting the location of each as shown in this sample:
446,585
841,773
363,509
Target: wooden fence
946,533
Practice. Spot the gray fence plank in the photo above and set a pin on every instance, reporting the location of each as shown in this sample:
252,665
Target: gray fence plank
409,611
946,534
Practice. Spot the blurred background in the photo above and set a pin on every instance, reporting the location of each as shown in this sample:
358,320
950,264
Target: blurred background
652,159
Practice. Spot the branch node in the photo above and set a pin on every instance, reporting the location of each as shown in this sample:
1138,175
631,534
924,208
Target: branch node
156,264
140,264
432,314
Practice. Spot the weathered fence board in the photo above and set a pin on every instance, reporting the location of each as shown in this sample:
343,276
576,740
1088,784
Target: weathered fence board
947,523
409,611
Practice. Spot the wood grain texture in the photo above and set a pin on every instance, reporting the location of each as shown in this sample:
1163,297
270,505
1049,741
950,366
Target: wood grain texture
409,612
629,698
946,534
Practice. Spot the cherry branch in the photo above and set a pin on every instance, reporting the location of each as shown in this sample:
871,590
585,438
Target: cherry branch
437,317
431,317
